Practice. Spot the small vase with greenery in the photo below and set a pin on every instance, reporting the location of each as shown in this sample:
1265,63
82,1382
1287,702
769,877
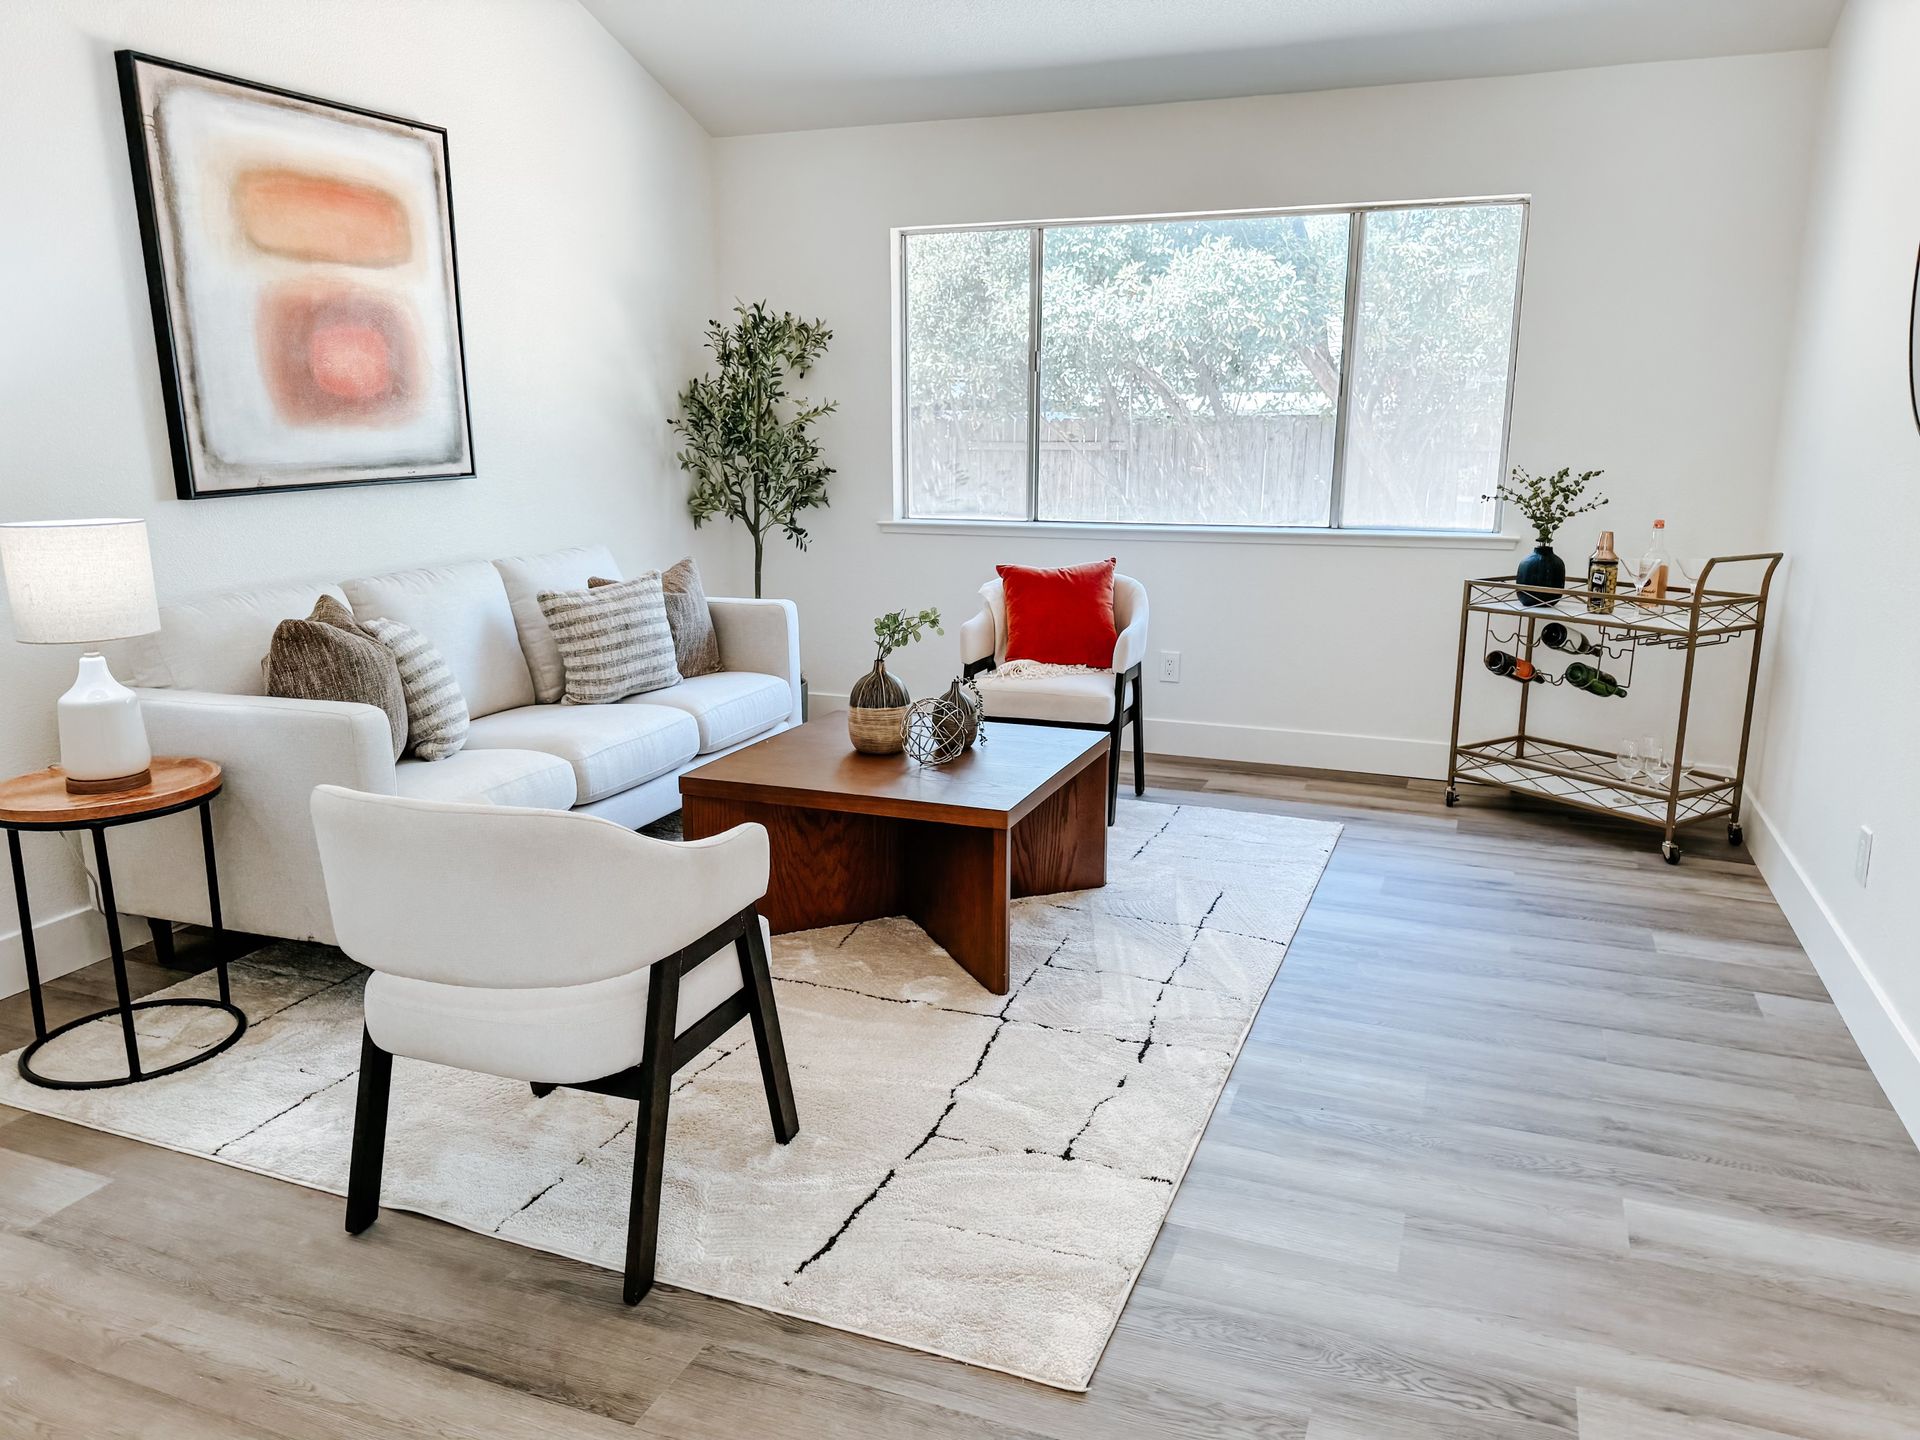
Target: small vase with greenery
750,444
878,702
1547,502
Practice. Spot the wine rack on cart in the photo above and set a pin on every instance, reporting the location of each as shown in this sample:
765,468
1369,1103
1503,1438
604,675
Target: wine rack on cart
1580,775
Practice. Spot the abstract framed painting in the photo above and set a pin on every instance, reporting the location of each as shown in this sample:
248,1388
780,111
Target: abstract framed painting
304,286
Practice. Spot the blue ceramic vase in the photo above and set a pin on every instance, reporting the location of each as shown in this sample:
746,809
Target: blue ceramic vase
1543,568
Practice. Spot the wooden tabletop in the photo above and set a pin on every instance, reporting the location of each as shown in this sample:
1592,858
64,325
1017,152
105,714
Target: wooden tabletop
41,798
814,766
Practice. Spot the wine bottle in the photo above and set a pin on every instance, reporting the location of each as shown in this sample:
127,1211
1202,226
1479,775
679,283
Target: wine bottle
1593,680
1557,635
1514,668
1603,576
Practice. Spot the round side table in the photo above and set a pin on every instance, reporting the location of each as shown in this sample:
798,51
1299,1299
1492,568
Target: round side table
40,801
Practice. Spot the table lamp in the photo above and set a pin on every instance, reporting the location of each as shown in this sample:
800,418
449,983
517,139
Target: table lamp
79,582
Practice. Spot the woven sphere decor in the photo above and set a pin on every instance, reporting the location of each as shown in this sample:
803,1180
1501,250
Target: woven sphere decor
939,731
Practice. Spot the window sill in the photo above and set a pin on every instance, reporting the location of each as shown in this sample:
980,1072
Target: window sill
1210,534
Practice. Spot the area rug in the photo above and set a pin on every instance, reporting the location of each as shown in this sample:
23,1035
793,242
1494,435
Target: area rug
977,1176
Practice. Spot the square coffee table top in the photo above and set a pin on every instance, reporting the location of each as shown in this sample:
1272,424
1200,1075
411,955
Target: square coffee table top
815,767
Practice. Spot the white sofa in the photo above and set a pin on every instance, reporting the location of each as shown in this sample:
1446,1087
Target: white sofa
200,689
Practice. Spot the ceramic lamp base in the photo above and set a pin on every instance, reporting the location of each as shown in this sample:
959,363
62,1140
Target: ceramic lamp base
103,740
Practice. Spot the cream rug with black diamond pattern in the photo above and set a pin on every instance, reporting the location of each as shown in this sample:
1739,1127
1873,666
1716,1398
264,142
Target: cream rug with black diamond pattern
978,1176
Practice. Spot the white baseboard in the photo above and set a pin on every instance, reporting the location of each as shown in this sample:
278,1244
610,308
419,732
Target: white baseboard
1887,1041
62,945
1267,745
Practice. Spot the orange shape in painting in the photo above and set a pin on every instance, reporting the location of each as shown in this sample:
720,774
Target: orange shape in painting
308,216
335,353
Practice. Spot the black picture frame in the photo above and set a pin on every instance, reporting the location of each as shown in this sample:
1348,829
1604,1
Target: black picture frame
1913,345
172,353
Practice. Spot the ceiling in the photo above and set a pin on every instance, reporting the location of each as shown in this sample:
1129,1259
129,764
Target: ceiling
749,66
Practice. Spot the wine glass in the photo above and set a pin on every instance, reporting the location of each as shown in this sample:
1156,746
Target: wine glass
1658,760
1627,760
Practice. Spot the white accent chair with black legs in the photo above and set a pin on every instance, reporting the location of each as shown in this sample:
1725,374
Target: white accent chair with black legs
551,947
1090,700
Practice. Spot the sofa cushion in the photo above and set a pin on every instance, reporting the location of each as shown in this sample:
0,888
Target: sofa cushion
214,641
614,640
463,610
526,778
729,706
1084,698
525,576
610,747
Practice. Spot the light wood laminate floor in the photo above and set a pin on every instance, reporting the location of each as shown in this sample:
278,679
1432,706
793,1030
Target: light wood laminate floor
1534,1137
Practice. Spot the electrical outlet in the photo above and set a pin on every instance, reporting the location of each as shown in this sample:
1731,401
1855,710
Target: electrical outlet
1170,667
1862,855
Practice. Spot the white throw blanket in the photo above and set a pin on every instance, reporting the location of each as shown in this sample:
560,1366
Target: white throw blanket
1031,670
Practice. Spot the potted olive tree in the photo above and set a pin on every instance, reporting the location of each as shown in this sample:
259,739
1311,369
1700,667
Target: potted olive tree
750,445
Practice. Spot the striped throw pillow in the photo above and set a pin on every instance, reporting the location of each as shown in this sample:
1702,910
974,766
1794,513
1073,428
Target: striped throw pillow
614,640
436,710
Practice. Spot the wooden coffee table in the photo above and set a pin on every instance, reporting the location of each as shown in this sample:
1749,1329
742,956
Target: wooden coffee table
856,837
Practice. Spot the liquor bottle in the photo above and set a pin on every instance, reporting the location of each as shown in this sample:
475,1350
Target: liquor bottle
1514,668
1658,569
1557,635
1593,680
1603,576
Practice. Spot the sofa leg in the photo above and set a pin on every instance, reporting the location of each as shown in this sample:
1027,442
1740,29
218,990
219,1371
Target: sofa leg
756,979
655,1089
369,1135
162,932
541,1091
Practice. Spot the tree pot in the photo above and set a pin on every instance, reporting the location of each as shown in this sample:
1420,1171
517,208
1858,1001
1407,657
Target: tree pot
876,711
1542,567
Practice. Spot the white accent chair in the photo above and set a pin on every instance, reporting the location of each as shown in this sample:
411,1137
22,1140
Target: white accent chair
551,947
1089,701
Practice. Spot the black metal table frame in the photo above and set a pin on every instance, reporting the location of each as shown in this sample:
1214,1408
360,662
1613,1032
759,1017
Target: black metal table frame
127,1005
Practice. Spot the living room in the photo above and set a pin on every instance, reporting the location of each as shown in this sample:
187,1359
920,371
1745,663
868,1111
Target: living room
1080,966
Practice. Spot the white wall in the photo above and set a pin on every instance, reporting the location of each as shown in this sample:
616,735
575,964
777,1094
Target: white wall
1667,203
1841,739
582,204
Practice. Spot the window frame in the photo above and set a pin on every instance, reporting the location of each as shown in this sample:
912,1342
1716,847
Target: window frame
903,517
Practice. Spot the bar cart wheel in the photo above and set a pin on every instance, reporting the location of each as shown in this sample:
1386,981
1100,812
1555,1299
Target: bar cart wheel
1453,797
1670,852
1735,835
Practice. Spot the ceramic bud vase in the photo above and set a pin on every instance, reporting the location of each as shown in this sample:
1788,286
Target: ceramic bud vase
876,710
1544,568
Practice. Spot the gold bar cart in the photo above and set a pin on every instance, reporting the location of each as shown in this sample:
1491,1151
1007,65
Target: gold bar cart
1580,775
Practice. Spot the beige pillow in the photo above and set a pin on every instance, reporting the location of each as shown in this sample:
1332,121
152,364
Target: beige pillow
614,640
696,646
436,710
328,656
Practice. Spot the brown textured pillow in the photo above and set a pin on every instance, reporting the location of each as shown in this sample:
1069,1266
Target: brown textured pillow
696,646
327,656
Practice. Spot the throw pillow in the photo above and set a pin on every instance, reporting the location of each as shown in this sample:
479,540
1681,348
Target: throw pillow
696,645
328,656
1061,616
614,640
436,710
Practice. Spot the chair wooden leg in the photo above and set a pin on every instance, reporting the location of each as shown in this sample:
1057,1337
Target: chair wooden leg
369,1135
1139,743
1113,769
756,979
655,1089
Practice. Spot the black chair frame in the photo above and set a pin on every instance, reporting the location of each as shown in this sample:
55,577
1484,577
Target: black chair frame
1123,715
649,1084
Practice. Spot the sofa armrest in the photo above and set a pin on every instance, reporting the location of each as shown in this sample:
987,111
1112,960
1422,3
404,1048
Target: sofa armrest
762,636
976,638
272,753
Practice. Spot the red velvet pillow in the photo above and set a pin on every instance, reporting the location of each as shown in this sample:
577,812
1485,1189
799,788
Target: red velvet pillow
1061,616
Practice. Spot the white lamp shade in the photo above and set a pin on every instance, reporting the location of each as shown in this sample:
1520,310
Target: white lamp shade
74,582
